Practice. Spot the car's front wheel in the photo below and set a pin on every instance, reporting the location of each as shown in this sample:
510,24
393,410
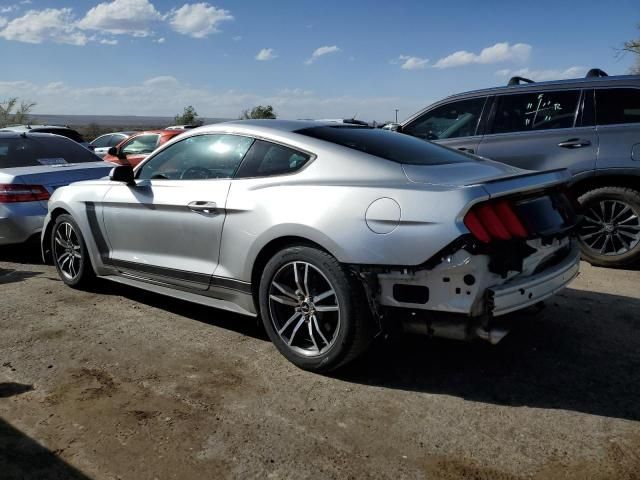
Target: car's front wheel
70,255
314,309
610,230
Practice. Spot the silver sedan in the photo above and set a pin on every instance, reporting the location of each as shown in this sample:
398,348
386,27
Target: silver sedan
32,166
330,233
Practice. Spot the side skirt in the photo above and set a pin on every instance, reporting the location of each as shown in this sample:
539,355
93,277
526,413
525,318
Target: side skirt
235,301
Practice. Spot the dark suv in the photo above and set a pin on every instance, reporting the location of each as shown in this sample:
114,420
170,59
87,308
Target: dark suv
591,126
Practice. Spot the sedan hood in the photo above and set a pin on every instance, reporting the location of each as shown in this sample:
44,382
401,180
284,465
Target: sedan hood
460,174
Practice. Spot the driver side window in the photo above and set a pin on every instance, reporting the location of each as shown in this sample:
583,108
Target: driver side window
198,158
453,120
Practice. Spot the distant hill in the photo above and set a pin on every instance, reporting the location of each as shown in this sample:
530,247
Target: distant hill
79,121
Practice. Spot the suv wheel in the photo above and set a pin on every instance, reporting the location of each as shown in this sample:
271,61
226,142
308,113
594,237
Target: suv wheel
610,231
313,309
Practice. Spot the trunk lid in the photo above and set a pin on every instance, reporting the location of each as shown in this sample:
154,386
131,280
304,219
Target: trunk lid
496,178
55,176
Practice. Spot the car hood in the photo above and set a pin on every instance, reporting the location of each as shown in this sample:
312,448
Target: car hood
461,174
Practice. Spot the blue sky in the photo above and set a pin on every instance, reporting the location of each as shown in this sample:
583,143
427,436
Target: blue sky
146,57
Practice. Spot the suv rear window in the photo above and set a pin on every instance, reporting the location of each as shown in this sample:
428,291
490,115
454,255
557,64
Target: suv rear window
385,144
35,151
64,132
535,111
617,105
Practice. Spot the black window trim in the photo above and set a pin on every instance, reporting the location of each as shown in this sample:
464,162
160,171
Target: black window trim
312,156
595,103
497,96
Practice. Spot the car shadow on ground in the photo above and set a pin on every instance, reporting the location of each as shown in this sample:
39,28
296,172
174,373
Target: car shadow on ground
23,458
582,353
28,253
9,389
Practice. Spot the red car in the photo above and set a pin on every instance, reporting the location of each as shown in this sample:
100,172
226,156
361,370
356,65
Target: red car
138,147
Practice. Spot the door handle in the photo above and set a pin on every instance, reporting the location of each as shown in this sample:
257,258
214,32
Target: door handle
466,150
574,143
203,207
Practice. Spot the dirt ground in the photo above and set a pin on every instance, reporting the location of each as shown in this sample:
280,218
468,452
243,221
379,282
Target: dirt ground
119,383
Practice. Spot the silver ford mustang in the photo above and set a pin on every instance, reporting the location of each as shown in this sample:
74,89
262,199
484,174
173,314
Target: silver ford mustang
331,233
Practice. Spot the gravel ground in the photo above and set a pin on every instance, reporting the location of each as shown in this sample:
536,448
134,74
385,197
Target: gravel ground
119,383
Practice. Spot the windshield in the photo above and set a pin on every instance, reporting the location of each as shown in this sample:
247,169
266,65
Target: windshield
31,151
385,144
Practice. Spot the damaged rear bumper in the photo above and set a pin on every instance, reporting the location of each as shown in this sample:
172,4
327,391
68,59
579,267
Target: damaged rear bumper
519,294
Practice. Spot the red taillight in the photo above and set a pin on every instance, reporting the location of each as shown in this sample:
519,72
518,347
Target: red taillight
494,221
13,193
475,227
509,219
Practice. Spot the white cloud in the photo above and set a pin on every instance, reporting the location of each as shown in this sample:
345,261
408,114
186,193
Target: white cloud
237,38
9,8
3,22
48,25
166,95
319,52
109,41
500,52
544,75
412,63
160,40
119,17
266,54
198,20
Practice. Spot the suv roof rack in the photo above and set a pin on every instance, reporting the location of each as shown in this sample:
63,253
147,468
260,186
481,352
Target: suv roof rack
519,81
596,72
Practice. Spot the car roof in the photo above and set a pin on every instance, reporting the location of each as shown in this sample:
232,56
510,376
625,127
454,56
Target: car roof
270,125
15,134
27,128
578,82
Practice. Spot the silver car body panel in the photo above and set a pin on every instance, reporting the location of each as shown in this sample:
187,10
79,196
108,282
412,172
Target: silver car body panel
339,200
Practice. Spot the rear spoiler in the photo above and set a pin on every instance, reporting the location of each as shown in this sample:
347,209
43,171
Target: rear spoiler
527,182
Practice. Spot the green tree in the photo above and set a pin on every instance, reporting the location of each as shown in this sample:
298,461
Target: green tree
189,117
633,47
11,113
258,112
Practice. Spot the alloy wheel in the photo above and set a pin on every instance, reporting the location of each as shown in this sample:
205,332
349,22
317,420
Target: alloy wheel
610,227
67,250
304,308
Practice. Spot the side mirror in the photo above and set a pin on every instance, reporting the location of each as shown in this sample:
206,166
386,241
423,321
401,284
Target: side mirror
113,151
393,127
122,173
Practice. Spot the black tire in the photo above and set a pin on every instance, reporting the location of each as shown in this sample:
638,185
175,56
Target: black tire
612,198
353,333
71,258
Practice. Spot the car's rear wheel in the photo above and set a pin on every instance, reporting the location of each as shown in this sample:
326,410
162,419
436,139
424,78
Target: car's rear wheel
313,309
610,231
70,254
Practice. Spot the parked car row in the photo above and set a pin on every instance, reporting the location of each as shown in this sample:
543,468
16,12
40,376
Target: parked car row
333,232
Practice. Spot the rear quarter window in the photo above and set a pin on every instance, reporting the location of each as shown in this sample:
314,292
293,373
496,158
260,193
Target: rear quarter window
388,145
617,106
37,151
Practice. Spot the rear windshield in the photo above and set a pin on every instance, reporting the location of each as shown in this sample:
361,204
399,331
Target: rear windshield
385,144
65,132
33,151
